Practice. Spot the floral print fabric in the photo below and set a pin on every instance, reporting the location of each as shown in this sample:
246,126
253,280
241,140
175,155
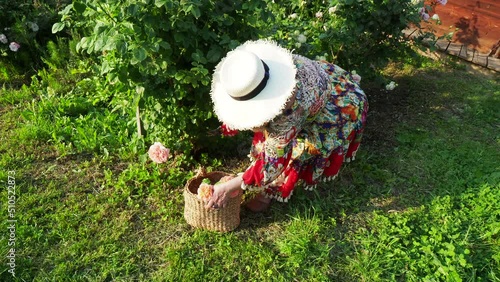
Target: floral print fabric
319,130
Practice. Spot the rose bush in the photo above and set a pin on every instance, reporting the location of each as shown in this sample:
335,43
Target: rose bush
159,56
156,57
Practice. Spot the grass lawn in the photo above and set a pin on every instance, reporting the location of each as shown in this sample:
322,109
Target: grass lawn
420,203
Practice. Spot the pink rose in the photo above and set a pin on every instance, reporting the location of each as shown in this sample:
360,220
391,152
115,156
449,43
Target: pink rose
442,2
158,153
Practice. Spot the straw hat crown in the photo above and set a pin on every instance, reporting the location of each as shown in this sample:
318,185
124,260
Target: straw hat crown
238,80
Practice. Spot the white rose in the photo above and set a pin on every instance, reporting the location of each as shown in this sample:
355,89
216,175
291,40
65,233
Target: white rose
332,10
33,26
13,46
302,38
356,78
3,38
391,86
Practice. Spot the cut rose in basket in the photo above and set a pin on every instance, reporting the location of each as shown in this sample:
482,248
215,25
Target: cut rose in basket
205,191
206,188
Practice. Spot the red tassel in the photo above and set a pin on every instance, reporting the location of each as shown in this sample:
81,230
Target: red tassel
258,137
226,131
353,147
336,159
306,174
289,184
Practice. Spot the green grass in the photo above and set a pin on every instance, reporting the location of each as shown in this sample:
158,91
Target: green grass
420,203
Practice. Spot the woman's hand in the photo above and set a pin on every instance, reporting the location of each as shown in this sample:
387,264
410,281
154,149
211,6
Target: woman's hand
224,191
219,197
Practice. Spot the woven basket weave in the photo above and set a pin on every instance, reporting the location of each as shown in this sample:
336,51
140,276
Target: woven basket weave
223,219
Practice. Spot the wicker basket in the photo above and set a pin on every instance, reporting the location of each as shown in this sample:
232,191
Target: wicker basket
223,219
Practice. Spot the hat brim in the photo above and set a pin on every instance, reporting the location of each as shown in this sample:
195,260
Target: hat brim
270,102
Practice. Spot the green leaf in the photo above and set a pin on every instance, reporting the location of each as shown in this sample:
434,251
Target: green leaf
165,45
214,55
66,10
179,76
198,57
99,43
133,9
100,27
196,12
160,3
58,27
105,67
110,44
139,54
82,44
128,27
79,7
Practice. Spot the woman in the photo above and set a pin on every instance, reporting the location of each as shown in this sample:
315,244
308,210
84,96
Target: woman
308,118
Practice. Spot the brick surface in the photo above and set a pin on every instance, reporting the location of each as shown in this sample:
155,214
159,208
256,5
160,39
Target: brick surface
475,23
476,27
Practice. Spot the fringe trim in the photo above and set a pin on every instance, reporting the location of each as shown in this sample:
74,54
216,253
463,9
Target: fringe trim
279,198
310,187
252,188
348,160
329,178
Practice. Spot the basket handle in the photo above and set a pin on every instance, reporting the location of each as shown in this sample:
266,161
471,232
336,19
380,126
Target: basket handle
201,171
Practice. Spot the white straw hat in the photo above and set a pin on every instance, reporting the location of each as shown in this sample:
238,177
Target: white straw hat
252,84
